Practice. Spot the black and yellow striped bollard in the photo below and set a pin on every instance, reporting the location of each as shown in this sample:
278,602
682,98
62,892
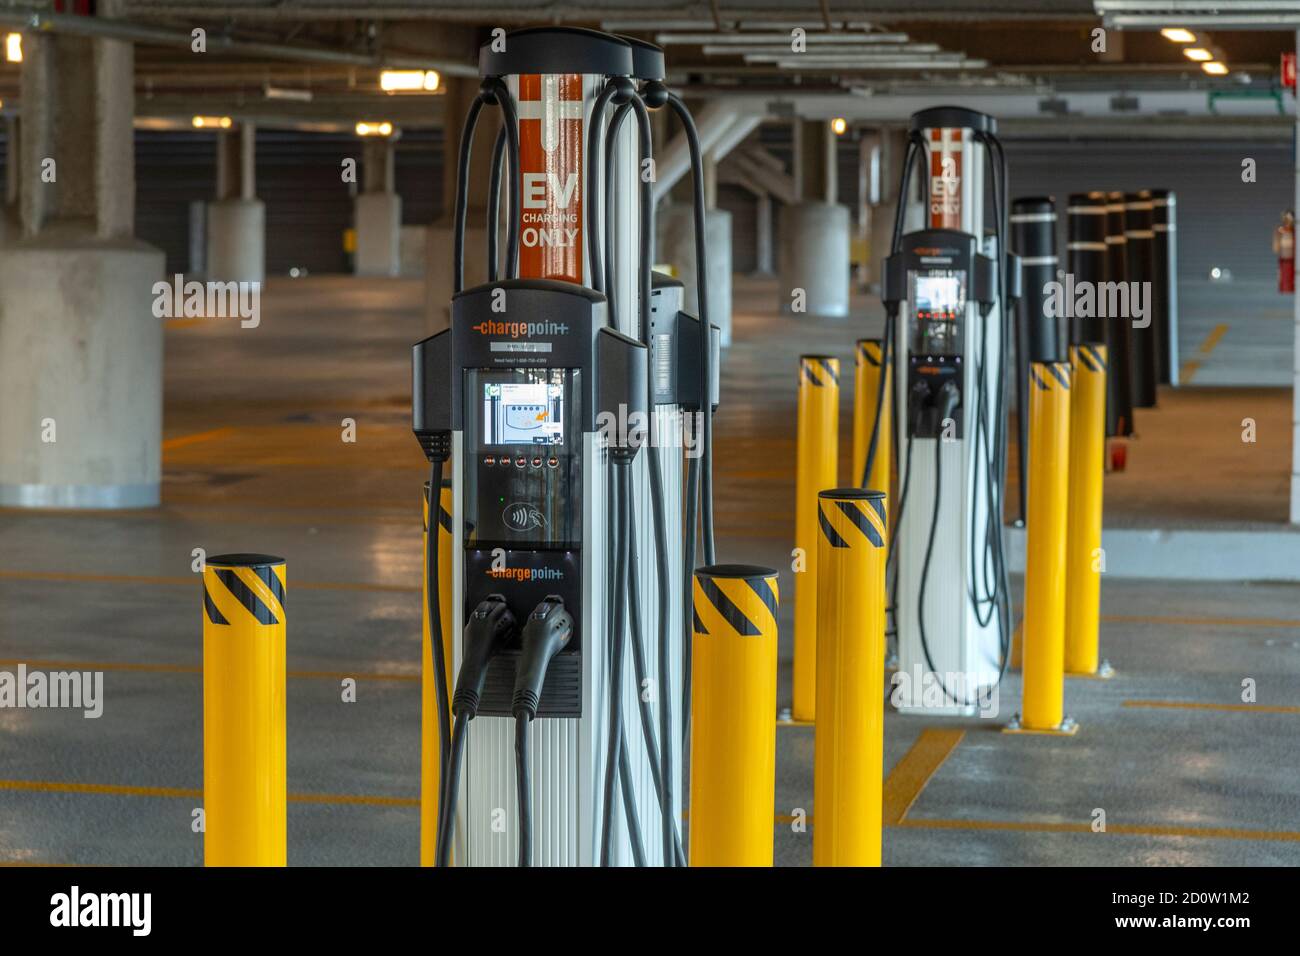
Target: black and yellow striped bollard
1083,560
1043,631
866,389
816,467
848,768
430,775
733,697
244,795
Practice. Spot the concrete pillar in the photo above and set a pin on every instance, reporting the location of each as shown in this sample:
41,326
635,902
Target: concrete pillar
198,236
763,259
81,360
815,233
237,219
815,258
675,226
438,273
378,213
10,217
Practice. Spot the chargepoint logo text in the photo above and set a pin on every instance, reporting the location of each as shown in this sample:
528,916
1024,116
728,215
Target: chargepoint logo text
526,574
517,330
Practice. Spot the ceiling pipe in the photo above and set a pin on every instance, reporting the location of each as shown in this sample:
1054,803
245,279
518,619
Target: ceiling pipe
111,29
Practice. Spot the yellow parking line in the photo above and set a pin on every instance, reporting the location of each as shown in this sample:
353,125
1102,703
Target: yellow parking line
191,669
1033,826
182,440
1191,366
910,775
1200,705
56,786
1200,621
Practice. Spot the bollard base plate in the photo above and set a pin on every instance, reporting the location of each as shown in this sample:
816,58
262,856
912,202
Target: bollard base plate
1103,672
1067,728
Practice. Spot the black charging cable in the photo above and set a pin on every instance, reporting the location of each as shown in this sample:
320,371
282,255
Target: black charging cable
545,634
486,632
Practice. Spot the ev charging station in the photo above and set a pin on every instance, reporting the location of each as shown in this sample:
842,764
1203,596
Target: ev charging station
563,395
946,293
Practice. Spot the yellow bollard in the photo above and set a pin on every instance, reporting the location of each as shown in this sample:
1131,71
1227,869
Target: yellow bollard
848,768
816,467
866,386
244,796
733,735
1083,540
430,777
1043,641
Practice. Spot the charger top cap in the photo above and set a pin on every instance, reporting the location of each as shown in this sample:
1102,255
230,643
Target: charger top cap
954,117
557,50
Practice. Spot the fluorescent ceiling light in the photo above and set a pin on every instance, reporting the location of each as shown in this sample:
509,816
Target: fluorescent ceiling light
211,122
783,50
864,66
1215,68
1199,54
382,128
694,39
409,81
1178,35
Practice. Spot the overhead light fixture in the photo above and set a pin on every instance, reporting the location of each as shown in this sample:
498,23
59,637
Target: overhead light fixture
839,125
783,50
1198,53
14,47
812,39
1215,68
383,128
211,122
410,81
1178,35
285,93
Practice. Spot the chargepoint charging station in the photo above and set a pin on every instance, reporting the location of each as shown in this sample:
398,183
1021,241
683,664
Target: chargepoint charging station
946,293
565,395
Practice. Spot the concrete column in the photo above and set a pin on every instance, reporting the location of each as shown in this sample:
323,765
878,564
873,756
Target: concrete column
198,236
763,235
438,272
237,219
81,352
815,258
675,226
10,217
815,233
378,213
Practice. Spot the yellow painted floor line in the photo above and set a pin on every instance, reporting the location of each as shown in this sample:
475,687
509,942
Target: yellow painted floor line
55,786
1192,366
191,669
910,775
1029,826
1200,621
193,581
1201,705
182,440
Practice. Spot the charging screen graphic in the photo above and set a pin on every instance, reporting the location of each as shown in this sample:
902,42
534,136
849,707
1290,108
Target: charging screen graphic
523,438
939,304
523,413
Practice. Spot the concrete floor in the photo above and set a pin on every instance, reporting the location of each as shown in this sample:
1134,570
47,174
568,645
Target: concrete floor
254,461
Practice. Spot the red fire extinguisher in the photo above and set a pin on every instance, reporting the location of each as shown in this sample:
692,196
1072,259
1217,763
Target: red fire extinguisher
1284,248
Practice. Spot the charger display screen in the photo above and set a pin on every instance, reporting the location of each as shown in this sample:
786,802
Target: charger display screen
523,413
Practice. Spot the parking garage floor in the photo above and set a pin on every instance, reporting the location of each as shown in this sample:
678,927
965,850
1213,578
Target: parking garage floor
254,460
